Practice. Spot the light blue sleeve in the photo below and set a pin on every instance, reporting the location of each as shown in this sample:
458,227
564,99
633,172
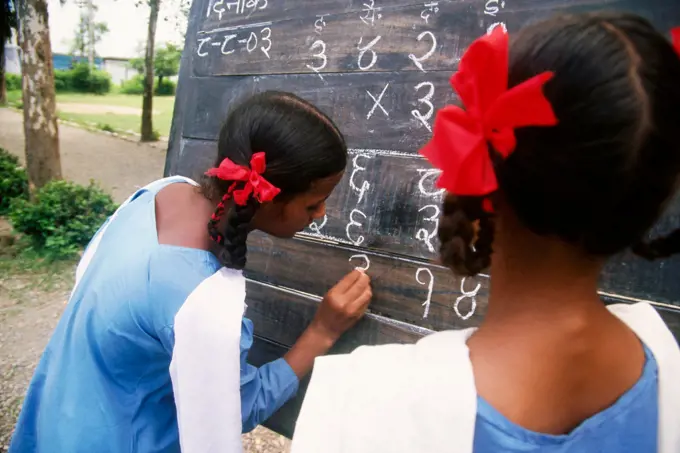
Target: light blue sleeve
265,389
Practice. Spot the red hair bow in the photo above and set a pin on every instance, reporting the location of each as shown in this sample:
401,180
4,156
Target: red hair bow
459,144
675,35
255,185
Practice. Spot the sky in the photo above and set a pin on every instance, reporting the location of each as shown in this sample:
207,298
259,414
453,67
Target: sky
127,26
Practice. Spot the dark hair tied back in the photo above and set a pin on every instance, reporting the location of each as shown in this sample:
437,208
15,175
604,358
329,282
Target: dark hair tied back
601,177
301,145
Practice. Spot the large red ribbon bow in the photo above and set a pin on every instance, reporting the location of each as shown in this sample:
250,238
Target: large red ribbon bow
255,184
459,144
675,35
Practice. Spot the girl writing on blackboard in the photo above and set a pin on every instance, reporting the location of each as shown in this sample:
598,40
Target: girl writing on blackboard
150,354
565,153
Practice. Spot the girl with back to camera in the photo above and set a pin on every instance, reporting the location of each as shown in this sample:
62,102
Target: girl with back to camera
565,154
150,354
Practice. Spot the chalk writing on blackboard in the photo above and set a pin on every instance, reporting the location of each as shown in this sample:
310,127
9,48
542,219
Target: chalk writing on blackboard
493,26
430,8
353,222
320,48
376,102
424,118
367,262
426,183
316,227
319,24
367,48
430,287
365,185
472,295
492,7
418,61
370,13
423,234
229,42
220,7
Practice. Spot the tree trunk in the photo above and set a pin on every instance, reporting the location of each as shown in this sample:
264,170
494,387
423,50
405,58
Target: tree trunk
147,104
40,119
3,84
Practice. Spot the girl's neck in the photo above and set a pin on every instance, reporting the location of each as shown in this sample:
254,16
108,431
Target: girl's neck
538,279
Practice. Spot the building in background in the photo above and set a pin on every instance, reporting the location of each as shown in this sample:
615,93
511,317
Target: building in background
119,68
12,61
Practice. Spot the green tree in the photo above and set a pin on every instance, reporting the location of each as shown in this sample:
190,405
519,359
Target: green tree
81,45
165,62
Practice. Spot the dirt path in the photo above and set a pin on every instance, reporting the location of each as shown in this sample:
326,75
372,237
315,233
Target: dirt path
118,165
73,107
31,303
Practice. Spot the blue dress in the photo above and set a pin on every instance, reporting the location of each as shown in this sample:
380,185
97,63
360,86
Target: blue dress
103,383
628,426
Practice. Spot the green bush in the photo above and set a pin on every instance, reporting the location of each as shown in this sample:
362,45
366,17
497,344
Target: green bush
133,86
136,86
100,82
62,217
13,180
62,80
13,82
165,88
82,79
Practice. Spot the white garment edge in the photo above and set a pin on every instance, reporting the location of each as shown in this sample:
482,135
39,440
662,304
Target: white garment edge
422,397
205,366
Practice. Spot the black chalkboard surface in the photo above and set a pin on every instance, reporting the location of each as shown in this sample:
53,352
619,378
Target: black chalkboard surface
380,69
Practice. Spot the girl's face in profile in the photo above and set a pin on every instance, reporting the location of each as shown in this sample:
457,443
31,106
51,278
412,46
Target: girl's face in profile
288,216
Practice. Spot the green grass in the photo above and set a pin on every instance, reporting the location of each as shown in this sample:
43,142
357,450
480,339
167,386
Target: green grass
13,97
162,106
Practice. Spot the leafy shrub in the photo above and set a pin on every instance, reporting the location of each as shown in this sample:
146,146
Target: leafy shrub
165,88
82,79
136,86
12,82
62,217
105,127
100,82
62,80
13,180
133,86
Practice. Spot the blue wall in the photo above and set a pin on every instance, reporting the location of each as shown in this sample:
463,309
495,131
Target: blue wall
62,61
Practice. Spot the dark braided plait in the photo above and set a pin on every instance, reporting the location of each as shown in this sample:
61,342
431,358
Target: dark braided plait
236,234
460,250
215,219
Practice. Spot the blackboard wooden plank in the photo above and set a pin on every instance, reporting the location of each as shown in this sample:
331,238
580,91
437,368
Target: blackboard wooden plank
282,315
350,99
401,287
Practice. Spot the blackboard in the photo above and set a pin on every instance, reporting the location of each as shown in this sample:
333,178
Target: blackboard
380,69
